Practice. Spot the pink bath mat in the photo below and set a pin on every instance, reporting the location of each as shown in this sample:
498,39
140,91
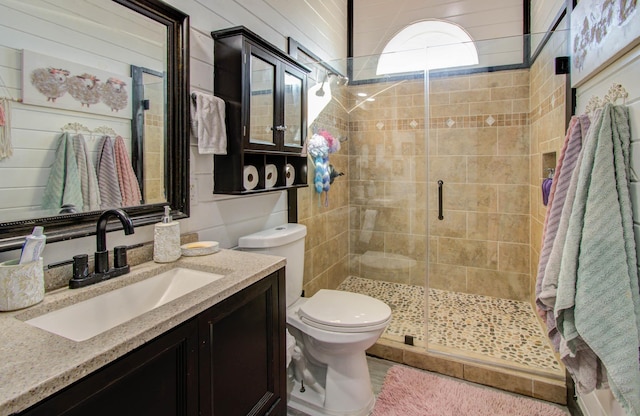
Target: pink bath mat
408,392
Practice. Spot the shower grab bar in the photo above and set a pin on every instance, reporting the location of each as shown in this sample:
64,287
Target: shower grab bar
440,216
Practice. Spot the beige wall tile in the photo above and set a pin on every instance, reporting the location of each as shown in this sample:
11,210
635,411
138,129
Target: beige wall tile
408,245
471,141
513,140
465,197
513,258
447,277
498,227
506,285
513,199
453,225
491,80
472,96
510,93
471,253
449,110
491,107
449,84
448,168
418,274
498,169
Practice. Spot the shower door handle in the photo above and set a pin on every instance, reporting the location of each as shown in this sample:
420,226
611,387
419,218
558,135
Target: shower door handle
440,216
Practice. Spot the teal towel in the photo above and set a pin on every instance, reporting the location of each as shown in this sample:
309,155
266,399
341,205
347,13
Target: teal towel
598,303
63,186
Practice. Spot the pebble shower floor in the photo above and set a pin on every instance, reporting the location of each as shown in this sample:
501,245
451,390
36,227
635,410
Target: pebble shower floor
501,329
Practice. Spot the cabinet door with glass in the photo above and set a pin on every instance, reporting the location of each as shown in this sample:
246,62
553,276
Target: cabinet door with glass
276,103
295,109
262,128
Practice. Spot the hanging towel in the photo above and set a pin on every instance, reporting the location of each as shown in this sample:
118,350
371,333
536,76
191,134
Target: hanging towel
6,148
110,196
129,187
598,302
585,366
208,123
87,173
63,186
578,127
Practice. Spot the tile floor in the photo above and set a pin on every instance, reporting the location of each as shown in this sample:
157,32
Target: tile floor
502,330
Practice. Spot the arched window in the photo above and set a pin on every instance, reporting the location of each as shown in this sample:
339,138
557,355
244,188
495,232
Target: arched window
428,44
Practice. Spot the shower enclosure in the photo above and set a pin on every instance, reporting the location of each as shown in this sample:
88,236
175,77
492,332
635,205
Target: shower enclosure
443,203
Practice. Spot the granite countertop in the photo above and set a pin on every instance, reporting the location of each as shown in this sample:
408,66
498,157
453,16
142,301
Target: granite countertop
34,363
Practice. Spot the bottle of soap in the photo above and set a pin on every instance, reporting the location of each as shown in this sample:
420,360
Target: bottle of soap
166,239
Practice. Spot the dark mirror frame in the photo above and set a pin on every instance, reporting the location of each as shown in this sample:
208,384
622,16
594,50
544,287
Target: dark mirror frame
66,227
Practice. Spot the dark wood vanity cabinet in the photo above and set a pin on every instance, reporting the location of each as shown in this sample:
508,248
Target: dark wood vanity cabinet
227,361
159,378
242,352
265,91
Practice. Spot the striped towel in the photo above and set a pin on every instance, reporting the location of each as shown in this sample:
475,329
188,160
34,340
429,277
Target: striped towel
6,148
129,187
565,165
110,196
88,179
598,301
63,186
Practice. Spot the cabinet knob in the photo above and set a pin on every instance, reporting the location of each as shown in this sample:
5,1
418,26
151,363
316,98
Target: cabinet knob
281,128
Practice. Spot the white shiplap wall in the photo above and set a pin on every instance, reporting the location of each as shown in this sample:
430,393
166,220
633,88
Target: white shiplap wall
495,25
60,29
543,15
319,25
624,71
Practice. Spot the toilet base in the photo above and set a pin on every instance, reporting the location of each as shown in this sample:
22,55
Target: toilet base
311,402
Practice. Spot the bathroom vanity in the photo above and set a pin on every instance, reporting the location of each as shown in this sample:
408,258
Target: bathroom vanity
218,350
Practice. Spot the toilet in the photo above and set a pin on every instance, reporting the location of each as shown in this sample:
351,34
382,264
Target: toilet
329,333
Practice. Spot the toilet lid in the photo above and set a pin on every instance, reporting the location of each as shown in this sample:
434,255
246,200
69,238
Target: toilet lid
344,311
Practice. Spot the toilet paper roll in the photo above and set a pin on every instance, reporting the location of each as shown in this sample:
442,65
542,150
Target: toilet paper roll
290,174
270,176
250,177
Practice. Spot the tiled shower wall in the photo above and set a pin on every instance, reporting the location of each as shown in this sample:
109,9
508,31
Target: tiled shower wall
548,128
388,182
479,146
327,241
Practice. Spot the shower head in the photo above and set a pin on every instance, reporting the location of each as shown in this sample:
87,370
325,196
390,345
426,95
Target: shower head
340,79
320,92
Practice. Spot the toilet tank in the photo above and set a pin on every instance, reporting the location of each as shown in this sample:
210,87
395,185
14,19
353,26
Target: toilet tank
285,241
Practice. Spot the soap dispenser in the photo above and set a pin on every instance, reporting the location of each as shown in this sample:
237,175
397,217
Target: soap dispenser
166,239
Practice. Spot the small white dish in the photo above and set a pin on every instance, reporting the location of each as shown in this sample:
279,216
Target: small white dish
200,248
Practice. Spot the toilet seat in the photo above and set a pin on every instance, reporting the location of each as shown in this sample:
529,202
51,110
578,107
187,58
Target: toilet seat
339,311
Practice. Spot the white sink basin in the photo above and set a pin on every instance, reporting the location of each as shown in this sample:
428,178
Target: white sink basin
91,317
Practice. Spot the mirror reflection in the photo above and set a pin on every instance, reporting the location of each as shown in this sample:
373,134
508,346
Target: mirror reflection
84,91
262,86
292,110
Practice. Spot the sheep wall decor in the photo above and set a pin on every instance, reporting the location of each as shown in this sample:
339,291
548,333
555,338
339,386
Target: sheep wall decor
54,82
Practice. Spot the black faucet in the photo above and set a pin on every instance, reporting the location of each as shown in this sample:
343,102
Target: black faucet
103,271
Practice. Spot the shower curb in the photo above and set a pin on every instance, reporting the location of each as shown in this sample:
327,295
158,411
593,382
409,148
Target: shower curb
549,388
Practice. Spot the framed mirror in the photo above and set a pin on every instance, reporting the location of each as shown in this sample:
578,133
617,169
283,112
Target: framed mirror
104,78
